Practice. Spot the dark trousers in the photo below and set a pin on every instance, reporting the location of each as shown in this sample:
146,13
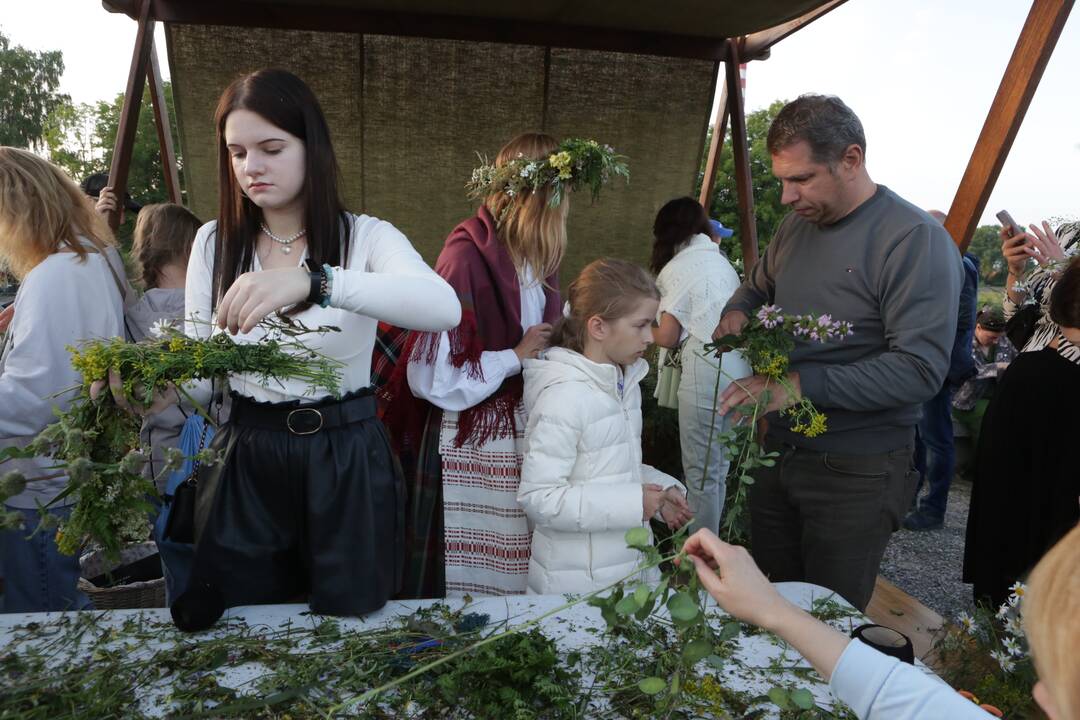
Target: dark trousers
825,518
935,453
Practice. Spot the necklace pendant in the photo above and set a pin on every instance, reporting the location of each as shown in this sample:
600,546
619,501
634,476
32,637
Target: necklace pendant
286,249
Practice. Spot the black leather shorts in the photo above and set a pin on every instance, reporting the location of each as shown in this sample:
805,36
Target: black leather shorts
309,500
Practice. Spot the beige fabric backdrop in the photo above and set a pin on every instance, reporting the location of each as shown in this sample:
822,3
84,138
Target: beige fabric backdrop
408,117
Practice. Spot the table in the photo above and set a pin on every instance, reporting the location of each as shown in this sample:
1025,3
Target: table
758,662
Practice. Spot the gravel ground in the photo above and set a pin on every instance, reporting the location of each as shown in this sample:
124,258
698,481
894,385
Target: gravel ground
928,564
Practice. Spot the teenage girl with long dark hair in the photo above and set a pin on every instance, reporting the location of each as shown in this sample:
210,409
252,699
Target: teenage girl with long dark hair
307,501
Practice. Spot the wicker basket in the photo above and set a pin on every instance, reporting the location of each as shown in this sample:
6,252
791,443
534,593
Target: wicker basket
146,594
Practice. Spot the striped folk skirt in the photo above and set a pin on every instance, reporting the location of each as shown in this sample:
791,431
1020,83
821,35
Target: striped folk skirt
487,537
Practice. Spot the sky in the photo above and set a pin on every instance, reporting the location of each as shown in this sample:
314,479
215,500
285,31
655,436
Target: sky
921,75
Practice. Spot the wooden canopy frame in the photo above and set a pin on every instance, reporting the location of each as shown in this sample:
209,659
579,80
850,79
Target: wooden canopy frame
1022,75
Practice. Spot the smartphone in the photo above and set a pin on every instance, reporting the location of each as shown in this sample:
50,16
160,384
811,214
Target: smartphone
1006,220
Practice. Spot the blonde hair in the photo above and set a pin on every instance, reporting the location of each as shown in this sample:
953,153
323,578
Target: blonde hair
1051,616
606,288
163,234
41,210
533,232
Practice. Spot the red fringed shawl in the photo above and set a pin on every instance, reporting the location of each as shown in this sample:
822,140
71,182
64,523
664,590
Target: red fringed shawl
478,267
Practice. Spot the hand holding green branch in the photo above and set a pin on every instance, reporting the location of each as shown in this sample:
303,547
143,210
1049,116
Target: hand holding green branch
767,341
96,441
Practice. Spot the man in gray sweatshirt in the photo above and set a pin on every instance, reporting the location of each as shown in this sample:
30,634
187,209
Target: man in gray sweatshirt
854,250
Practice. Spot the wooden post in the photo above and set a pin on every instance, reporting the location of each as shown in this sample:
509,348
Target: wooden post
712,161
1022,75
741,151
129,116
164,128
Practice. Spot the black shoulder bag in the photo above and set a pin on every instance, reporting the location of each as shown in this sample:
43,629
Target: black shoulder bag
181,524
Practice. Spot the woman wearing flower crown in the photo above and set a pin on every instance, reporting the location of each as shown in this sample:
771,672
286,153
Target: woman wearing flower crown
464,419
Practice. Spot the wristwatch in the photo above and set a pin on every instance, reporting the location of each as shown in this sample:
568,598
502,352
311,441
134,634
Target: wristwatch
319,292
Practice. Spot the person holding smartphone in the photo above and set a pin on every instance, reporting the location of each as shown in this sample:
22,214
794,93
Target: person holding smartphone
1048,248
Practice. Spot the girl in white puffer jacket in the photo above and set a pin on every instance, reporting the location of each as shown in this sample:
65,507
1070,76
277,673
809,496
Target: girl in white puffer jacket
583,484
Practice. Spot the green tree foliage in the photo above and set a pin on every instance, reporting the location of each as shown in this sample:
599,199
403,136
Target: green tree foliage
986,245
81,138
146,177
28,82
70,140
767,206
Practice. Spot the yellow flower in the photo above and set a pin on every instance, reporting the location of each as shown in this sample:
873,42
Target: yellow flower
771,365
816,427
562,162
707,688
176,344
91,363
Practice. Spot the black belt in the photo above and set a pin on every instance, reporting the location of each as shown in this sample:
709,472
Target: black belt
304,419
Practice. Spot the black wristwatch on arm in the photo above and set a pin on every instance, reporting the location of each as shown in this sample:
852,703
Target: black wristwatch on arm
319,294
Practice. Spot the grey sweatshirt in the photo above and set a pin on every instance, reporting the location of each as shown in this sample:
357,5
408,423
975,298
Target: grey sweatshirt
895,274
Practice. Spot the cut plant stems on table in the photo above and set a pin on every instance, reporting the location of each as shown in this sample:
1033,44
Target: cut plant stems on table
95,443
664,653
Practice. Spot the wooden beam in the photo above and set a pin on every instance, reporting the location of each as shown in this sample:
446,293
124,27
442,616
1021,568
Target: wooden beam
1033,49
740,149
712,161
329,17
129,116
164,128
758,44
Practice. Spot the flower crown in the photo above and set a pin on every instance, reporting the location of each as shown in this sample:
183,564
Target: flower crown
575,165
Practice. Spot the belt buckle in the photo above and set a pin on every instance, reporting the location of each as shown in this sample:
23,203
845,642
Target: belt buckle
289,418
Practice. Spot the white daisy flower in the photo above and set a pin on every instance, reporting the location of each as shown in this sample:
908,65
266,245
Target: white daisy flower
1003,611
161,328
966,622
1003,659
1012,647
1014,628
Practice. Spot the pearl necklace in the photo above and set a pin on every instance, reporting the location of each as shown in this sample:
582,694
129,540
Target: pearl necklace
284,243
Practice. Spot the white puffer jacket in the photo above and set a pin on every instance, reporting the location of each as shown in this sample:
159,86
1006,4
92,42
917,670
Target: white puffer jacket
582,474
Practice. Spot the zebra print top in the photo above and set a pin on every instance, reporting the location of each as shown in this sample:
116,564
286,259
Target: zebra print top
1039,286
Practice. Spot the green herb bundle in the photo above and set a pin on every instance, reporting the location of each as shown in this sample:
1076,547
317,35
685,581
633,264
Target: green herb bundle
96,443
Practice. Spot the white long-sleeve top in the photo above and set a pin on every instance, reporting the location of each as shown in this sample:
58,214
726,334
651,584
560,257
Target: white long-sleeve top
384,279
63,301
451,388
879,687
